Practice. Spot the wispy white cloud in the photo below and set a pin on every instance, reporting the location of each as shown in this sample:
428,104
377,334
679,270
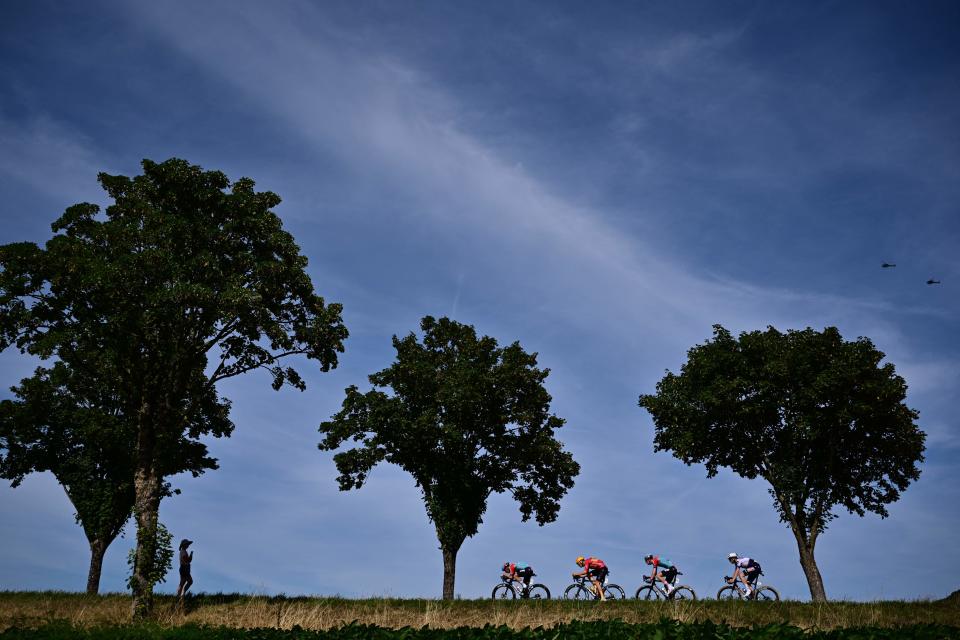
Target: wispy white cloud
930,376
51,158
386,118
942,435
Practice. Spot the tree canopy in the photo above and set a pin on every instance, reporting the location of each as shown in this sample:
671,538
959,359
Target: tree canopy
821,419
188,279
466,418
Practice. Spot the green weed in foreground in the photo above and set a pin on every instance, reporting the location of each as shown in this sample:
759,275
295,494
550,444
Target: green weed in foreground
614,630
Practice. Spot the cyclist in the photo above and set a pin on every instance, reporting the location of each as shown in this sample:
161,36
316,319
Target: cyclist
596,570
667,576
518,572
746,569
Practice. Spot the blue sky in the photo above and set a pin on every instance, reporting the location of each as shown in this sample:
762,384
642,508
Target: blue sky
602,183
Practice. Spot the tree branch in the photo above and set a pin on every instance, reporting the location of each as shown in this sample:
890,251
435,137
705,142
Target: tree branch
816,523
784,504
223,333
260,365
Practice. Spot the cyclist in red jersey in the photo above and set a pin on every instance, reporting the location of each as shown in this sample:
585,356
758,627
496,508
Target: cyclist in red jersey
595,569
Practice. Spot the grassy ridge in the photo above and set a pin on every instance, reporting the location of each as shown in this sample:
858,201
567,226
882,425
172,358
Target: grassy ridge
36,609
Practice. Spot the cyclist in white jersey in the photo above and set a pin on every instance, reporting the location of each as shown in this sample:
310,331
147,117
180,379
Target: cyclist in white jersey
747,570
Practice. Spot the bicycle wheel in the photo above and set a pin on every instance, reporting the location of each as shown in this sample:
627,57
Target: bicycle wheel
729,592
766,594
647,592
683,592
538,592
614,592
503,591
578,592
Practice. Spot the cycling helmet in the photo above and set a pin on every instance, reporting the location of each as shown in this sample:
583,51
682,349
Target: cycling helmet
579,559
649,556
506,566
732,556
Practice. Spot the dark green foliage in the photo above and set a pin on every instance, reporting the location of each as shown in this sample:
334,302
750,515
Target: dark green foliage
464,417
818,417
188,279
161,558
616,630
55,426
73,425
185,266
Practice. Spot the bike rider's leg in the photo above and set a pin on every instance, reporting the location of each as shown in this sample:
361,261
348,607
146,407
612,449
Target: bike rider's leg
742,577
596,587
750,579
666,584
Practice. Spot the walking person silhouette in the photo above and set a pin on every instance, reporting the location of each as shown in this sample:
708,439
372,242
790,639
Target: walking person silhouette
185,559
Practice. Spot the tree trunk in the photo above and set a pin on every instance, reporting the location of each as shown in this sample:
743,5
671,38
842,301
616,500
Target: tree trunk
805,531
146,507
97,551
810,570
449,571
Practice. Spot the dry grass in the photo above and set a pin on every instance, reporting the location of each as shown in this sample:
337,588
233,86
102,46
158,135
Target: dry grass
32,609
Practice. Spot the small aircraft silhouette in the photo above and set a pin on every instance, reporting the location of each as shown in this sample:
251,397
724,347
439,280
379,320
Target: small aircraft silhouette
932,281
887,265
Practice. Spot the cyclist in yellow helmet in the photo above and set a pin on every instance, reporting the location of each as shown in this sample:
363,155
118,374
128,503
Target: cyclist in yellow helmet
596,569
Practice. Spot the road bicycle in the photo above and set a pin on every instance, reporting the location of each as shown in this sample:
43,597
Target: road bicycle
761,592
654,591
509,589
582,589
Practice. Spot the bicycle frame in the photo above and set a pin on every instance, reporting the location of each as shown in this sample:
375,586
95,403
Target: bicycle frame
657,585
518,587
587,582
656,580
736,584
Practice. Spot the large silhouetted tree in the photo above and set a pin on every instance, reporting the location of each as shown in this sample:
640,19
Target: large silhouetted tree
72,424
186,280
466,418
821,419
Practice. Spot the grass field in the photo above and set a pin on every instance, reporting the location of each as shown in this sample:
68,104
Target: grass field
34,609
